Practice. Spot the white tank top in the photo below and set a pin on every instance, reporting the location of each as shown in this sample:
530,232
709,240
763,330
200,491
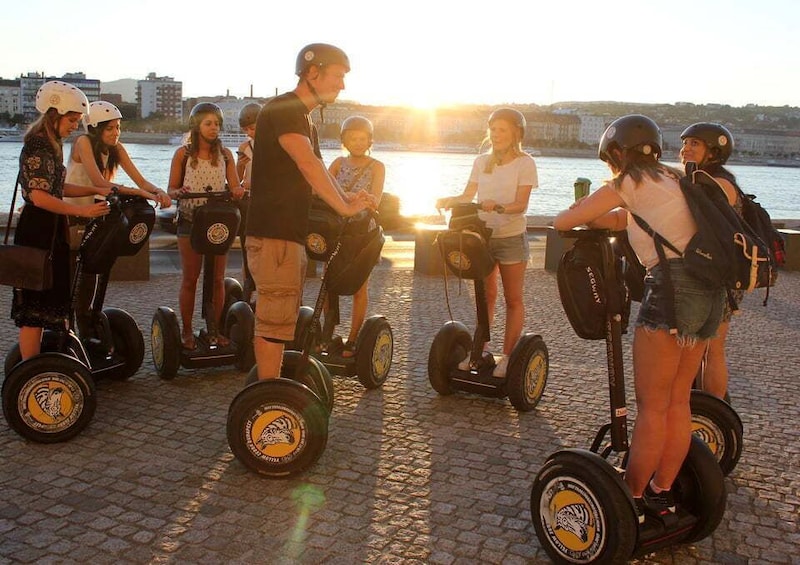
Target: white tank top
77,174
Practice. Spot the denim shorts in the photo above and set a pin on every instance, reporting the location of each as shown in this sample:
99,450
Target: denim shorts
510,250
698,311
184,228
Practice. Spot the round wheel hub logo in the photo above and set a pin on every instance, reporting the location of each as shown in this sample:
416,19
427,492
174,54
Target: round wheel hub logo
218,233
50,402
157,344
276,434
535,376
382,354
705,429
138,233
570,519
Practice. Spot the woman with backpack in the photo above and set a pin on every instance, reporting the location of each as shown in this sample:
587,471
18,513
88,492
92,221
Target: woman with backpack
709,145
665,362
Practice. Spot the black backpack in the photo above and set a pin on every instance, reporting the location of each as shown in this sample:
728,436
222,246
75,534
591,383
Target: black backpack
759,221
725,253
584,291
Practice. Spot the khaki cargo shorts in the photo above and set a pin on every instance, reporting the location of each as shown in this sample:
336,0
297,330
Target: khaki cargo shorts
278,268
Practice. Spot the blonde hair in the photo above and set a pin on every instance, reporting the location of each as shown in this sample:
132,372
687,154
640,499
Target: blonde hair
46,125
516,147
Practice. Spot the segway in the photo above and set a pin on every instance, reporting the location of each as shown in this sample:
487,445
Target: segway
464,249
214,228
350,248
581,508
51,397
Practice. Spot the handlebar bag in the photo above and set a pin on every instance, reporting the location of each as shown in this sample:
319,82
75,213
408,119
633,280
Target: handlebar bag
358,254
141,218
214,227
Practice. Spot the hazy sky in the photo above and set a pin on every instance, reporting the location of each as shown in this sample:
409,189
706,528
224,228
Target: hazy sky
427,52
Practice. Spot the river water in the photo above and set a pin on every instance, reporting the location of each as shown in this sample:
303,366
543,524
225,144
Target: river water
418,178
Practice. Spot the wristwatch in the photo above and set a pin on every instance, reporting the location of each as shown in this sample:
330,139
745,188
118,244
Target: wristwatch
499,208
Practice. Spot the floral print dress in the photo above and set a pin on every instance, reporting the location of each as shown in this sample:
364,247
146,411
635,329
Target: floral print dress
42,169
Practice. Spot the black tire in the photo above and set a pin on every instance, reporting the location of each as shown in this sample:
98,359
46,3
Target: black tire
239,327
128,342
374,350
527,372
304,316
451,344
49,398
582,511
719,426
316,377
49,344
233,294
700,489
277,428
165,343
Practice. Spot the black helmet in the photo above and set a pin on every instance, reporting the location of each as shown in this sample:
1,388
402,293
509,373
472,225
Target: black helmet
634,131
716,136
512,116
204,108
320,54
357,123
248,114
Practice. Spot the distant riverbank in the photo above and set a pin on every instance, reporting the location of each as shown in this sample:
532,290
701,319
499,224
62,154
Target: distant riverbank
165,139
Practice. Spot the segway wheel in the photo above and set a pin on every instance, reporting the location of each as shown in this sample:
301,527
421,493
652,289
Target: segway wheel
374,352
316,376
165,343
452,343
49,398
128,342
50,344
233,294
718,425
277,427
304,317
239,326
527,372
582,511
700,489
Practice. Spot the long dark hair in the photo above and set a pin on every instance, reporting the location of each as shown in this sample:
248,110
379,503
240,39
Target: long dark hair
193,147
46,126
95,135
637,165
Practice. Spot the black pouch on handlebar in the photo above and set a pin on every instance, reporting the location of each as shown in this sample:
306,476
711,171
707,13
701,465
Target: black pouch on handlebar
101,243
324,227
465,245
141,217
358,254
584,291
215,225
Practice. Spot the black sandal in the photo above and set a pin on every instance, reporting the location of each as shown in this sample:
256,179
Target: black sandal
348,349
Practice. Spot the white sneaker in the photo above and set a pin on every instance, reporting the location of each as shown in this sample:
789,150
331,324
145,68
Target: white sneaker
501,364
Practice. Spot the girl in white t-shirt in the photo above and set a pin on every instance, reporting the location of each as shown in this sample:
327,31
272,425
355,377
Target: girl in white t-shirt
502,180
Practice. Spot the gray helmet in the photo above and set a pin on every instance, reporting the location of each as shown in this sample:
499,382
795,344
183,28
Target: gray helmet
357,123
204,108
512,116
716,136
635,132
248,114
320,54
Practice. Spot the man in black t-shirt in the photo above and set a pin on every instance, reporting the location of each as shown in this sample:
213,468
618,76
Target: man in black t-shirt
287,168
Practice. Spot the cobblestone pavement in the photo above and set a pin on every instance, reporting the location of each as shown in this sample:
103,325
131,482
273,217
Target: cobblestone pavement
407,476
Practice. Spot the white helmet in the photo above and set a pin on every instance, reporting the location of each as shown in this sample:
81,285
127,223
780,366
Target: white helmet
62,96
102,111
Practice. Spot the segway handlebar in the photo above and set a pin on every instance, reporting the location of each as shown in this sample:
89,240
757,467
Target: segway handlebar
589,233
219,195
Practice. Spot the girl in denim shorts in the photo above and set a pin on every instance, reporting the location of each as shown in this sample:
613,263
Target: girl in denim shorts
502,180
675,320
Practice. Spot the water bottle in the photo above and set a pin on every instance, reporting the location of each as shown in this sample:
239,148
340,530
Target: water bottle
581,187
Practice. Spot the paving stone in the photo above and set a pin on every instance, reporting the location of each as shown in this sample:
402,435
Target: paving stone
408,476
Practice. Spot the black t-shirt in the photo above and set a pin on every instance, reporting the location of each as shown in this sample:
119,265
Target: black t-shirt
280,196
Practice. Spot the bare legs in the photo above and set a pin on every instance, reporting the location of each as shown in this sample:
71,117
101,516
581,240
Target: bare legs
513,277
663,374
191,265
715,375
